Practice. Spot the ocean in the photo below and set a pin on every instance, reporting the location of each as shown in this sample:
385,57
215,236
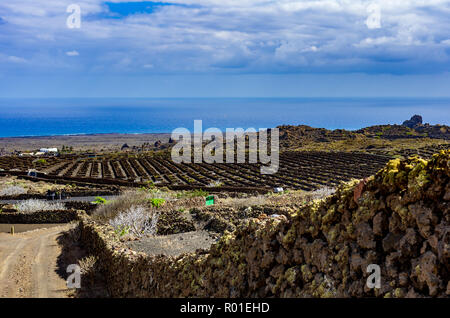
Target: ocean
45,117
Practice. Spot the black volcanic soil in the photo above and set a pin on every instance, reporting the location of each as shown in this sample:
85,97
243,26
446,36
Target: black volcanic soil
175,244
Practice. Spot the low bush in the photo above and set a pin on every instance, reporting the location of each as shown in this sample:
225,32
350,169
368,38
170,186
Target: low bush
41,161
32,205
157,203
100,200
137,221
105,212
12,190
88,265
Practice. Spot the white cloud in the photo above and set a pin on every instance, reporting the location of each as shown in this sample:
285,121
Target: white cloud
72,53
16,59
375,41
310,49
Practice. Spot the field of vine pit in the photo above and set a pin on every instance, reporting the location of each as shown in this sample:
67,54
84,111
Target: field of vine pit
298,170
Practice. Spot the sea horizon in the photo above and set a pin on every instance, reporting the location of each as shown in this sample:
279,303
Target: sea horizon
45,117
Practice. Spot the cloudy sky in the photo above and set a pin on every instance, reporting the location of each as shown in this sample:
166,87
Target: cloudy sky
225,48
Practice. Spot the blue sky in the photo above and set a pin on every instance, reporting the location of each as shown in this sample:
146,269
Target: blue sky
225,48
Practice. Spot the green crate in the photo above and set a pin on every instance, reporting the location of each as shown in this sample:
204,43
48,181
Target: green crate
209,200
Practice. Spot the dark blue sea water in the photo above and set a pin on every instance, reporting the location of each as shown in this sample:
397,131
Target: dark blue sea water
42,117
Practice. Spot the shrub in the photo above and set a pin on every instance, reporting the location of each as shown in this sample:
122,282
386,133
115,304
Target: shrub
89,268
100,200
137,220
105,212
122,230
87,264
157,203
41,161
32,205
123,202
155,193
12,190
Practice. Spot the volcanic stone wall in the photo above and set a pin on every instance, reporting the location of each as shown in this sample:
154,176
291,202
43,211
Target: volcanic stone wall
398,219
41,217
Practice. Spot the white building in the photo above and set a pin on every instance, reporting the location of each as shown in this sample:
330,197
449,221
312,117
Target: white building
48,150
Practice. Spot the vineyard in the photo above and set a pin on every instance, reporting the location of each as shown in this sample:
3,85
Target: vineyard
298,170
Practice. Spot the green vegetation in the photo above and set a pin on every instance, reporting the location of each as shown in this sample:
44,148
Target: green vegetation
100,200
123,230
157,203
150,188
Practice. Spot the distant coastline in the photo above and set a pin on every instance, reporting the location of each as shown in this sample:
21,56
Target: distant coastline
79,134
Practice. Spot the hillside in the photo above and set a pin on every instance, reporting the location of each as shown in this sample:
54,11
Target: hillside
380,139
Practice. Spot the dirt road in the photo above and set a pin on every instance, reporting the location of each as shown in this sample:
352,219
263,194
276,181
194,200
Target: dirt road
28,264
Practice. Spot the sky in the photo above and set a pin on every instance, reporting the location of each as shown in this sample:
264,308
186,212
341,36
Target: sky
225,48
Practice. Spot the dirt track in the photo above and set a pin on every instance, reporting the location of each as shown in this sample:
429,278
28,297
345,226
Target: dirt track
28,264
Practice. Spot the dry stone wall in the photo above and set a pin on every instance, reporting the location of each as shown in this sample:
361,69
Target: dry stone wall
41,217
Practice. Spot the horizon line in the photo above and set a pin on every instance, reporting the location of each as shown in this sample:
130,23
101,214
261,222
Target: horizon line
222,97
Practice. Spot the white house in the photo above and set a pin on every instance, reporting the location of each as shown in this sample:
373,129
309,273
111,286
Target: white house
48,150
